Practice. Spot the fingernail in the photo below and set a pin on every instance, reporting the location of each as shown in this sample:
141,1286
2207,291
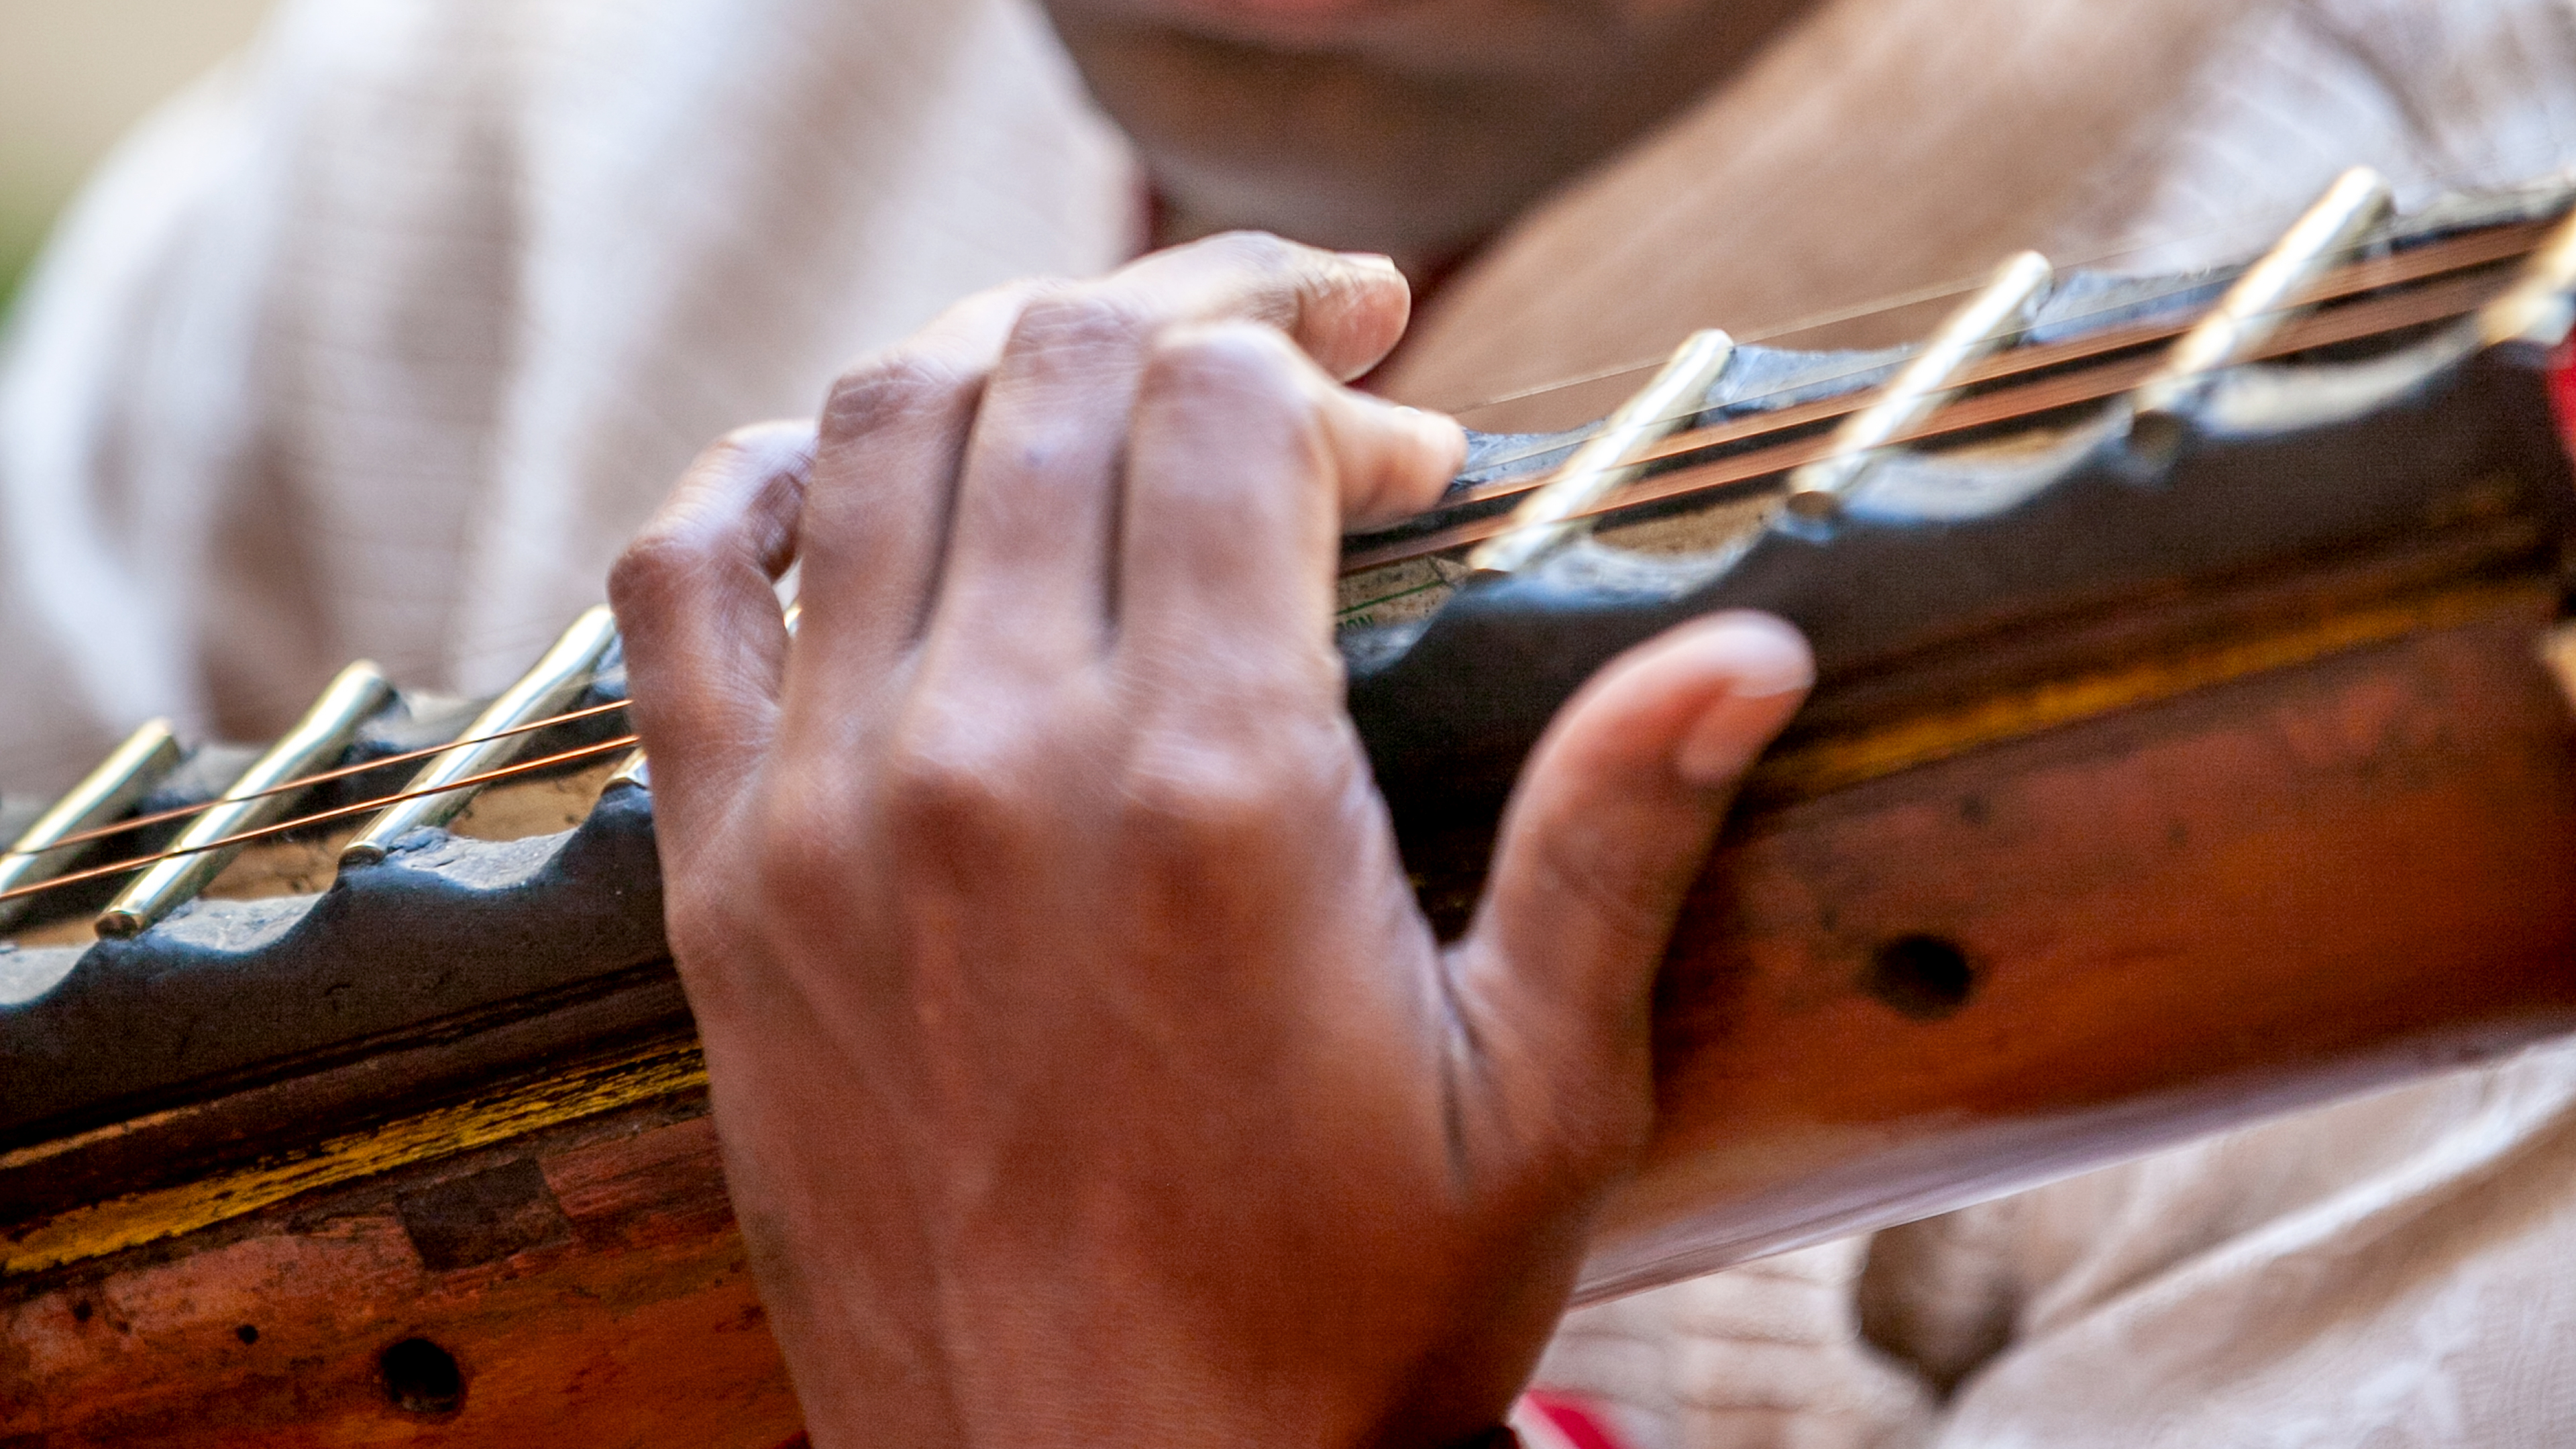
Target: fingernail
1764,656
1767,664
1439,432
1372,261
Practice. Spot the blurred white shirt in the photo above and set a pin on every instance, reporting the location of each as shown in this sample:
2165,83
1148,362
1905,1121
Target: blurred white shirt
382,340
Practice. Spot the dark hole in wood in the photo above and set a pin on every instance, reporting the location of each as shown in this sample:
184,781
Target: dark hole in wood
81,1311
1923,977
422,1378
246,1334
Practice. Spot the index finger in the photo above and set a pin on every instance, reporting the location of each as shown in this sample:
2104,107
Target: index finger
1028,452
696,604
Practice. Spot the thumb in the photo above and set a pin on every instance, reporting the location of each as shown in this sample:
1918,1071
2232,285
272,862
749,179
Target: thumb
1614,814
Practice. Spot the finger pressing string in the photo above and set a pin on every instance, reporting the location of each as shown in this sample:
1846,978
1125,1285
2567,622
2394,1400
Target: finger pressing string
2468,253
1029,563
1244,462
696,599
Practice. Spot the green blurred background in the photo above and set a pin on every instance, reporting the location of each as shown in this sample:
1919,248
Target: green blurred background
73,75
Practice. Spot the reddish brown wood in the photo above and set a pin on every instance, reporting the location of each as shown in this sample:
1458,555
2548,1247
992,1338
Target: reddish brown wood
2180,916
638,1326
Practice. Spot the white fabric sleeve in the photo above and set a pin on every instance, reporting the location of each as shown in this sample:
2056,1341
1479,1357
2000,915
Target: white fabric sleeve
383,342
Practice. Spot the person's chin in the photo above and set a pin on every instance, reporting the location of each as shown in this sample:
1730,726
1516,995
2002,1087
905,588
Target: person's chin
1281,24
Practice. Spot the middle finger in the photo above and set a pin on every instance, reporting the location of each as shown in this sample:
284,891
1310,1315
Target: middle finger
1029,569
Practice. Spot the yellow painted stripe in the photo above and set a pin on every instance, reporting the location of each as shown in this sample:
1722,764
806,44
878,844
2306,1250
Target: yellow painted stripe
1814,768
1837,761
125,1222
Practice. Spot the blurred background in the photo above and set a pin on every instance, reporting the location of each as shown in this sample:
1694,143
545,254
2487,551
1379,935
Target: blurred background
73,75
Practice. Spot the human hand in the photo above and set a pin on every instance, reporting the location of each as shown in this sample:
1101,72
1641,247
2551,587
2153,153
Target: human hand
1084,1068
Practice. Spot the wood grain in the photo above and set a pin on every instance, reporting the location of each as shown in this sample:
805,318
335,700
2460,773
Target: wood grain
638,1327
2236,901
2185,910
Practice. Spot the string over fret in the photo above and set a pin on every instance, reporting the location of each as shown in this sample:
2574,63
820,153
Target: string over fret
1609,460
47,849
2539,309
494,739
2262,301
1989,321
324,732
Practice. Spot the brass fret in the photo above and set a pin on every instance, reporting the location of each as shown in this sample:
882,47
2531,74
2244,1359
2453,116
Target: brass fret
554,681
106,793
317,739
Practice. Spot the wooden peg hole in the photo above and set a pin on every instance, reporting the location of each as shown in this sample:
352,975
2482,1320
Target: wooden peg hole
422,1378
1923,977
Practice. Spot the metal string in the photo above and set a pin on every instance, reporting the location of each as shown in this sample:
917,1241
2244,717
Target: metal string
2108,380
2434,261
363,807
301,782
2477,249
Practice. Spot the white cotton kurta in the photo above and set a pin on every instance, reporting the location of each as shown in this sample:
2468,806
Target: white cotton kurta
381,341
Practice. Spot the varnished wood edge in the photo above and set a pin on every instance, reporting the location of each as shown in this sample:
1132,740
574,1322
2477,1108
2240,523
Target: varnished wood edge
1814,768
1836,761
127,1222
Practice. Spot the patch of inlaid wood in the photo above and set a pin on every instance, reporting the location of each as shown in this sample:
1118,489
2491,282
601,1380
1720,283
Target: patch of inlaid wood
628,1318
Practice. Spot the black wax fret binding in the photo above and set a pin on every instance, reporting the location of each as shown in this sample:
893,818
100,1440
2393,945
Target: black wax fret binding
2416,450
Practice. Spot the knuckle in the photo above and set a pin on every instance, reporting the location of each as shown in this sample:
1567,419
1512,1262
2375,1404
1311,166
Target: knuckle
1582,1141
1195,812
962,790
1237,355
1290,279
701,927
657,568
1245,374
1273,279
1569,865
1263,251
799,850
1081,322
1197,790
899,383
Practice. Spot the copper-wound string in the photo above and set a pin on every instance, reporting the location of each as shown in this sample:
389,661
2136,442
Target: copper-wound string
2252,230
2359,274
2435,260
2433,304
341,812
2353,280
324,777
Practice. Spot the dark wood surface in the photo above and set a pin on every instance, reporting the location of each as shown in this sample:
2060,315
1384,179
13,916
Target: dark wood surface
1899,996
2235,901
586,1281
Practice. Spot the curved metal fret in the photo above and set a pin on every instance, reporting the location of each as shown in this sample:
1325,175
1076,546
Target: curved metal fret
2264,299
1545,521
494,738
1990,320
317,739
121,780
2539,309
